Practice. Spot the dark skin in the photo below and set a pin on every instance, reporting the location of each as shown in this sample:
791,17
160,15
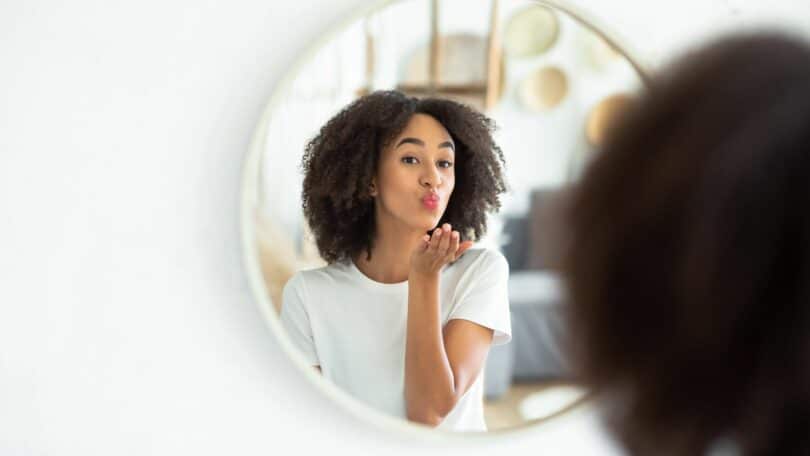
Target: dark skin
441,363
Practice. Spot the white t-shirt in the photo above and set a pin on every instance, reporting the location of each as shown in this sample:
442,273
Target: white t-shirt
355,327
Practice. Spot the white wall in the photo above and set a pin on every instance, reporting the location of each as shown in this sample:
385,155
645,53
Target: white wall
126,323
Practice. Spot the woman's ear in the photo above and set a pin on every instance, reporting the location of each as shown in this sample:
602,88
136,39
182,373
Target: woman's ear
372,189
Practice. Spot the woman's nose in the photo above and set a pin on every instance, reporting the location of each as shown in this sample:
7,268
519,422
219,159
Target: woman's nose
431,177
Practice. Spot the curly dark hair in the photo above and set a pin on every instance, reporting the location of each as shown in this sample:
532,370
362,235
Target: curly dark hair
688,262
340,161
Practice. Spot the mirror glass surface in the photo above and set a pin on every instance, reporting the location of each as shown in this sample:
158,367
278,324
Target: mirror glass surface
551,83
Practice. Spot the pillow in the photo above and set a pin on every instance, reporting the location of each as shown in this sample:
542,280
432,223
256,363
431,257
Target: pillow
546,227
516,234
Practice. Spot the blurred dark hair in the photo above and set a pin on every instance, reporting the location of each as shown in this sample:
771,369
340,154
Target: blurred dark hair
688,265
341,159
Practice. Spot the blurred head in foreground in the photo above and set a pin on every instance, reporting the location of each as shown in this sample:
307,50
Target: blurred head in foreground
688,266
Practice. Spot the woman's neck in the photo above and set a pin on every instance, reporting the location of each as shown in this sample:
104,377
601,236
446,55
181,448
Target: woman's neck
390,256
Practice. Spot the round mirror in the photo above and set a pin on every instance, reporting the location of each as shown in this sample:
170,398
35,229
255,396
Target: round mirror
550,80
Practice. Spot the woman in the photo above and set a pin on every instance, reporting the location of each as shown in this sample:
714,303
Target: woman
689,259
395,191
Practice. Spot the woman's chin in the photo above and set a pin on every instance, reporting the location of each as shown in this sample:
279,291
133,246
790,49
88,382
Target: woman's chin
428,223
427,220
426,227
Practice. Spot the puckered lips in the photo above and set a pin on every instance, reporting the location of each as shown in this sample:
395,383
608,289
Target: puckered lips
431,200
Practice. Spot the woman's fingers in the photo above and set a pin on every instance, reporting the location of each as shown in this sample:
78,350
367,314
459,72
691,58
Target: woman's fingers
434,240
444,243
451,252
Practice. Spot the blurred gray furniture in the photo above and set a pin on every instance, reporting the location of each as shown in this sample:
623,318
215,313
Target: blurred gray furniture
536,300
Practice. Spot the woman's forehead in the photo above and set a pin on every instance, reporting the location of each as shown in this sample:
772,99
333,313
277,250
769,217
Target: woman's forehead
425,125
423,129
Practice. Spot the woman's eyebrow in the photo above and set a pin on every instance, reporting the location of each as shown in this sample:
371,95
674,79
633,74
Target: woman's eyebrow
419,142
416,141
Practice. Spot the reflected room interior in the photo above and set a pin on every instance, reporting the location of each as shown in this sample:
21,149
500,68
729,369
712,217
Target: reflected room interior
551,84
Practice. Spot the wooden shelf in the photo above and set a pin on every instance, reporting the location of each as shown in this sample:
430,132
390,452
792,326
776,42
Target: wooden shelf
488,91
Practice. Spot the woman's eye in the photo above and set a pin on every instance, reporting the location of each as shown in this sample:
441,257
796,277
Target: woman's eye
447,164
405,159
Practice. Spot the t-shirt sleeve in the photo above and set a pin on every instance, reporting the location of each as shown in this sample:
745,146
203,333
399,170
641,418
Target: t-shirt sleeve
295,319
483,296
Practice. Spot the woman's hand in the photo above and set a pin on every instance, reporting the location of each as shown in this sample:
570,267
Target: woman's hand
437,250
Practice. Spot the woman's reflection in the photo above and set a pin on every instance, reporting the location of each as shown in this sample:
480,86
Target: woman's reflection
396,189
